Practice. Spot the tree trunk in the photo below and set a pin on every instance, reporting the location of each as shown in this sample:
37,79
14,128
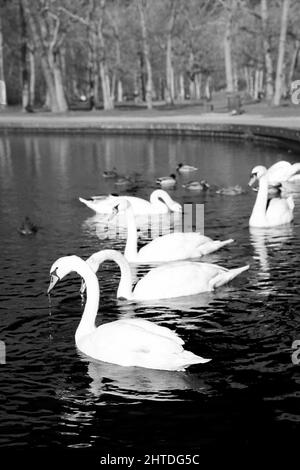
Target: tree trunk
146,52
281,51
25,74
228,47
32,77
170,87
3,101
108,101
294,62
49,58
267,51
181,87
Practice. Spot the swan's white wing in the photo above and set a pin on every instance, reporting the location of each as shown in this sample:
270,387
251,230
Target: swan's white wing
156,329
127,338
176,280
279,172
173,246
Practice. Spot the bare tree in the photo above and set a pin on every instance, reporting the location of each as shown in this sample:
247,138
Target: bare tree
281,51
46,37
230,6
267,50
146,52
170,85
2,79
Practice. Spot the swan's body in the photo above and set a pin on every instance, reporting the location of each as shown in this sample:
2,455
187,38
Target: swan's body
170,247
132,342
196,185
176,279
185,168
104,204
280,172
230,191
270,212
167,181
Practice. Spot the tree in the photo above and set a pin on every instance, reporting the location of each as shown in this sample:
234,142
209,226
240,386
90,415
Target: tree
281,50
146,52
47,39
2,79
230,6
267,50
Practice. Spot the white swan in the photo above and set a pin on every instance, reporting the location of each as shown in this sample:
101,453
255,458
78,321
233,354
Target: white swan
270,212
176,279
104,204
131,342
170,247
280,172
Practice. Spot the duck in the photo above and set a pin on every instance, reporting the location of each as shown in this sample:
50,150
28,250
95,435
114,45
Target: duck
171,280
124,181
196,185
167,181
280,172
131,342
270,212
27,227
181,168
110,173
160,203
165,248
231,190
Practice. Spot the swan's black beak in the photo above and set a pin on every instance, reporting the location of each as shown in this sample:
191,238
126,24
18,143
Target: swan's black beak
253,179
113,214
53,280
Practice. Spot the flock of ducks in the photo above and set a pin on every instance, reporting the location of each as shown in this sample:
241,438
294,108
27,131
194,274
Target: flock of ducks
138,342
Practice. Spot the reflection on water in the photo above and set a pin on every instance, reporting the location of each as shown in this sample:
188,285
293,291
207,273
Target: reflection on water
137,383
266,242
51,395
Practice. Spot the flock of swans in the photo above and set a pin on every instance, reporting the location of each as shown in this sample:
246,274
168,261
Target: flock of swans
138,342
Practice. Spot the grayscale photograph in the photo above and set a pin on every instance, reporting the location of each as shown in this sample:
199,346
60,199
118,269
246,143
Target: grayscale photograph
149,228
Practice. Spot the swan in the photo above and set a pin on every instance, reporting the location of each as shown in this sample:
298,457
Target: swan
170,247
167,181
130,342
104,204
181,168
175,279
280,172
196,185
270,212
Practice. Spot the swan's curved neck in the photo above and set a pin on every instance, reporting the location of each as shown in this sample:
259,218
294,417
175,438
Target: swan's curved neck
160,194
87,322
260,206
125,284
131,243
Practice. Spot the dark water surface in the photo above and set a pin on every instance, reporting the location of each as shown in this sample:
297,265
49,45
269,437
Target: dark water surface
245,401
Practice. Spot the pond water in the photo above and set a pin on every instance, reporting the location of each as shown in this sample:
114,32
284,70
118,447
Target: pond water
245,401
